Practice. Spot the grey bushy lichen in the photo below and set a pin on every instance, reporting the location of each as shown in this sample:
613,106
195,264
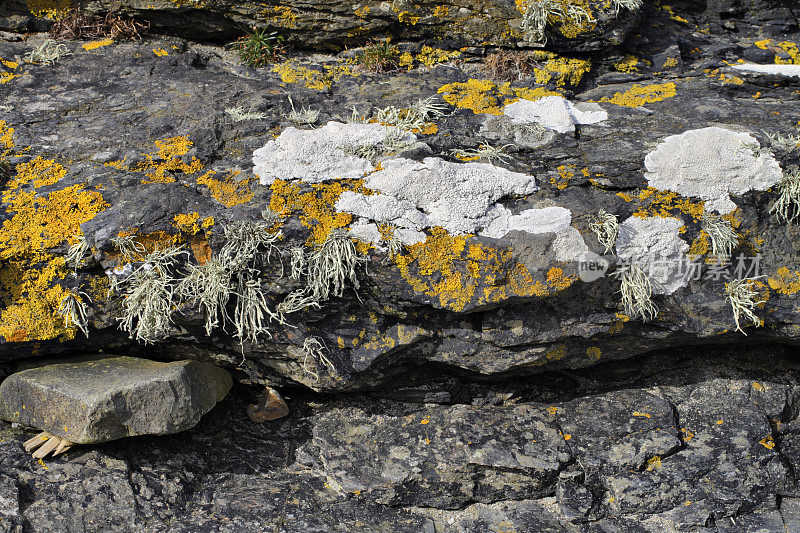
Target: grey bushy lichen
787,206
48,53
724,238
637,292
606,227
537,13
742,297
314,356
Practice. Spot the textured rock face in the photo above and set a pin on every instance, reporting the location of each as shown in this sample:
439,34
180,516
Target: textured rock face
675,441
472,381
107,399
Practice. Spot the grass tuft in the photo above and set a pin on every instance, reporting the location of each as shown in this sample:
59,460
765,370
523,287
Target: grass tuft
259,47
378,57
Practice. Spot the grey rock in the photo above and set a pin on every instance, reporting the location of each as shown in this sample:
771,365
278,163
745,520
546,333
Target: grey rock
107,399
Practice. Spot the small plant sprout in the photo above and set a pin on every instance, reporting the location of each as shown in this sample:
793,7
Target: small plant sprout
239,114
49,53
73,310
209,286
637,294
305,116
378,57
741,295
538,12
723,238
332,264
485,152
128,247
606,228
298,263
77,250
787,206
314,350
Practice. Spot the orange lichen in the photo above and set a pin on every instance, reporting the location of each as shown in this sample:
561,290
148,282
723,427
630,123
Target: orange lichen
167,158
667,203
485,96
459,272
94,45
639,95
785,282
315,208
227,190
31,277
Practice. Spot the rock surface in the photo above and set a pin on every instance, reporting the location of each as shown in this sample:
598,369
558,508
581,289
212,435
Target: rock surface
703,440
108,399
461,380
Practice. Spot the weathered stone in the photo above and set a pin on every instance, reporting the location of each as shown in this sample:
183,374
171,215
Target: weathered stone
107,399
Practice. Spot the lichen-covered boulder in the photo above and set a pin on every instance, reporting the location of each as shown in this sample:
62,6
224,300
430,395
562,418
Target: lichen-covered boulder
108,399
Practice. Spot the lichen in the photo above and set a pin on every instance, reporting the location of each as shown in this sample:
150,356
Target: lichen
639,95
227,190
785,282
485,96
94,45
32,277
167,159
457,272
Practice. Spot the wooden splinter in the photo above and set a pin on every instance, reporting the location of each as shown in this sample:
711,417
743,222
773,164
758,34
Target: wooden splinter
44,443
35,442
46,448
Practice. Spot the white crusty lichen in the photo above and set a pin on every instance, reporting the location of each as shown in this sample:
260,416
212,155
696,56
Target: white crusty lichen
742,297
654,245
776,70
555,113
329,152
456,196
606,227
787,206
713,164
568,244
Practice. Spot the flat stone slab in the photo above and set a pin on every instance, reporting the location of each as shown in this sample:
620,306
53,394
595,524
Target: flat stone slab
107,399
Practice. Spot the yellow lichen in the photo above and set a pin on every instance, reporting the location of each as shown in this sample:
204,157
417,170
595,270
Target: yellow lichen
227,191
321,80
629,63
49,9
31,277
315,208
785,282
485,96
167,158
94,45
667,203
593,353
406,17
458,272
160,52
639,95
